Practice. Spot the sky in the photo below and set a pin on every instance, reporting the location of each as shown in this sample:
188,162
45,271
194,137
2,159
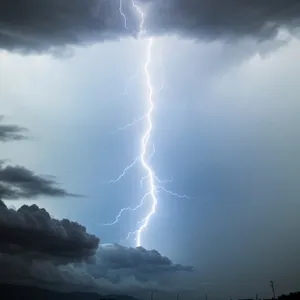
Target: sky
225,129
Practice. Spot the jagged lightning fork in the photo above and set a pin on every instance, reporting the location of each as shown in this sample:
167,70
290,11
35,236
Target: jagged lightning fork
125,171
145,140
171,193
135,121
122,13
127,209
144,157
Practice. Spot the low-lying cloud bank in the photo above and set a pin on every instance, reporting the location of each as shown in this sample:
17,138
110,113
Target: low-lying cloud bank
19,182
32,232
9,132
224,20
38,250
50,25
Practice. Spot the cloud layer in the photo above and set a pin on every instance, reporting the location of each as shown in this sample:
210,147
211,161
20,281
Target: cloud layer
32,232
225,20
42,26
119,257
52,25
11,132
39,250
19,182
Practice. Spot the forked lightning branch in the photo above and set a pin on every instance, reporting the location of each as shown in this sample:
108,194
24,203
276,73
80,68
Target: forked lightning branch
152,183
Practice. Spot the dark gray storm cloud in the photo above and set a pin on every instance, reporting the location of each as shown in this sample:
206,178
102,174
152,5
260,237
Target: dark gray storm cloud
54,24
31,231
19,182
217,19
40,250
9,132
120,257
45,25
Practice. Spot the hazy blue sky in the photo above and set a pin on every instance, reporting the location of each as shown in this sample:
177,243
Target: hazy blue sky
226,128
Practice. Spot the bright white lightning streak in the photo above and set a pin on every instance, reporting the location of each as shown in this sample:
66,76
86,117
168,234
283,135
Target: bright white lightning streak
144,157
156,179
145,140
122,14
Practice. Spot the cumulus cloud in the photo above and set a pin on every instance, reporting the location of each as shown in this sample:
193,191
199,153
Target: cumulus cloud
54,24
19,182
90,277
59,254
137,262
33,233
42,273
10,132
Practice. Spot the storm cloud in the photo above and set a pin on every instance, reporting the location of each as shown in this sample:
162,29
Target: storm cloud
16,269
120,257
40,250
225,20
9,132
19,182
32,232
53,25
47,25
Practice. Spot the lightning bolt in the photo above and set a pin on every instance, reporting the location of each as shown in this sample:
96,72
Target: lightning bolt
144,156
125,171
145,139
122,13
134,122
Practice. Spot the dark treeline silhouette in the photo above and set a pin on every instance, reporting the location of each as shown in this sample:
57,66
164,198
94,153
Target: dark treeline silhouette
20,292
291,296
17,292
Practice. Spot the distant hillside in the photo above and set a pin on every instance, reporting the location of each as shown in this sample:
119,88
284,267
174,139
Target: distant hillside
18,292
291,296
